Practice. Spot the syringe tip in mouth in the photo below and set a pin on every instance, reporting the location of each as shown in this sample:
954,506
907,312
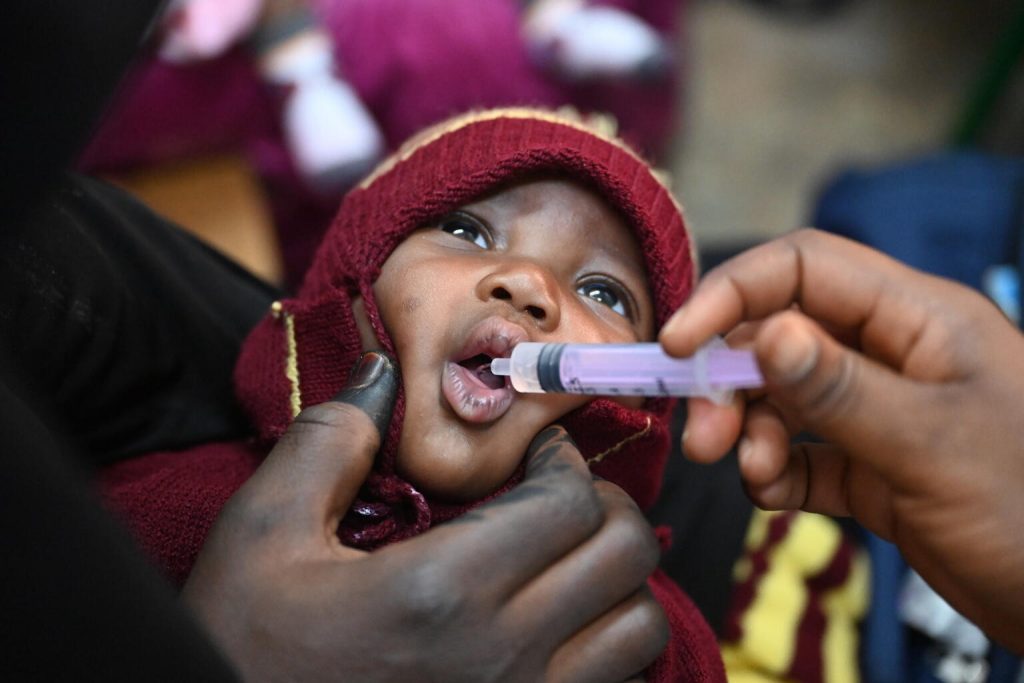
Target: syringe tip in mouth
501,366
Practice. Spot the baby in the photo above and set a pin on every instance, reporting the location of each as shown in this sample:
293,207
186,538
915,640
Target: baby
482,232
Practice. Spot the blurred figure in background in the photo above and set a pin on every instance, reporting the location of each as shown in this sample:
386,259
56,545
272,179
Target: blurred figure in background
330,136
402,65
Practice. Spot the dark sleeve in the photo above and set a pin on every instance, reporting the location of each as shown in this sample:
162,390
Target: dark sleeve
128,326
77,602
118,333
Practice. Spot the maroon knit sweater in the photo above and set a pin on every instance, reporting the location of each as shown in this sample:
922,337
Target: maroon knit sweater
302,352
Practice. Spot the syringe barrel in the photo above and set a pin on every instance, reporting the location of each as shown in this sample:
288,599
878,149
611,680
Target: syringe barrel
631,370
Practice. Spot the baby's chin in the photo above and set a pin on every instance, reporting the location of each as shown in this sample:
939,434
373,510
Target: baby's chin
463,463
461,471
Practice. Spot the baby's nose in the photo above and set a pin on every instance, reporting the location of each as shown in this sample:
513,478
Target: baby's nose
529,289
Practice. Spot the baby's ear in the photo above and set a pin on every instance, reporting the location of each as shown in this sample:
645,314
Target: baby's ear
367,336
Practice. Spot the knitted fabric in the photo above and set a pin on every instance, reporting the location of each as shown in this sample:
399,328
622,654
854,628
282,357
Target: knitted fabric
439,170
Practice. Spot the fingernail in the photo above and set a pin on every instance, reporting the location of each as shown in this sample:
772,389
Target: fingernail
372,387
367,370
795,356
545,445
550,433
744,451
673,320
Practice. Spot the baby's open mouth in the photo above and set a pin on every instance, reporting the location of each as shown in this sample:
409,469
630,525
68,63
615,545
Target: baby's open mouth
474,393
480,367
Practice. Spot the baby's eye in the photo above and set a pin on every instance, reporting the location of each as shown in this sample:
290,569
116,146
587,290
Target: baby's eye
467,228
607,294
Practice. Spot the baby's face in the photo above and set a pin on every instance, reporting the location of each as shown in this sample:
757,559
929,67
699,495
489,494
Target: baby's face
543,261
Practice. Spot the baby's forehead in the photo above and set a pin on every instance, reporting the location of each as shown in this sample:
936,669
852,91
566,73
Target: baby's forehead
578,212
530,191
566,200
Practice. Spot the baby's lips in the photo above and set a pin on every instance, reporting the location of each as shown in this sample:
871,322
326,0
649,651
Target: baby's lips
494,336
470,399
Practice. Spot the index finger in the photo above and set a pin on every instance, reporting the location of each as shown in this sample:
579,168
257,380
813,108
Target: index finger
512,539
310,478
833,280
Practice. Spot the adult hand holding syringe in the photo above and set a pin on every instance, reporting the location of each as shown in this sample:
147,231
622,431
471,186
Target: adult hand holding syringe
913,382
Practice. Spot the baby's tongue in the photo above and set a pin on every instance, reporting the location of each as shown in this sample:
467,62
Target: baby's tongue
480,366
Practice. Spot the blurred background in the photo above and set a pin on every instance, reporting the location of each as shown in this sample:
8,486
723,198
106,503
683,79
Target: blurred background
768,100
780,96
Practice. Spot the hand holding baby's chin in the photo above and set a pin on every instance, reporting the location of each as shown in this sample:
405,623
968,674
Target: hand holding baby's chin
473,599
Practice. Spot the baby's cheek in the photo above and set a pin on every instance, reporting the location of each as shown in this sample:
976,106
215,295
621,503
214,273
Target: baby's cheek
629,401
564,404
450,463
410,304
554,406
548,408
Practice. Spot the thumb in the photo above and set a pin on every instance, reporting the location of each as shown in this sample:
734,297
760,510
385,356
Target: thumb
837,393
314,472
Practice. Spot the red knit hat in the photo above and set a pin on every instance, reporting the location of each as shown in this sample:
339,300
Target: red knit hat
302,352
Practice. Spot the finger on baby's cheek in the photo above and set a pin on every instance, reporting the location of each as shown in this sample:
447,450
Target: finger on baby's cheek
552,442
547,436
553,435
372,388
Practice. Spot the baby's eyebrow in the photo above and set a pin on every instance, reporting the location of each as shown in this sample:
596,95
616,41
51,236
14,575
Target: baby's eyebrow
495,202
620,257
479,211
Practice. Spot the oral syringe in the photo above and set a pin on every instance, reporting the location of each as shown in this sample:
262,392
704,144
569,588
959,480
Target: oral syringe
715,371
